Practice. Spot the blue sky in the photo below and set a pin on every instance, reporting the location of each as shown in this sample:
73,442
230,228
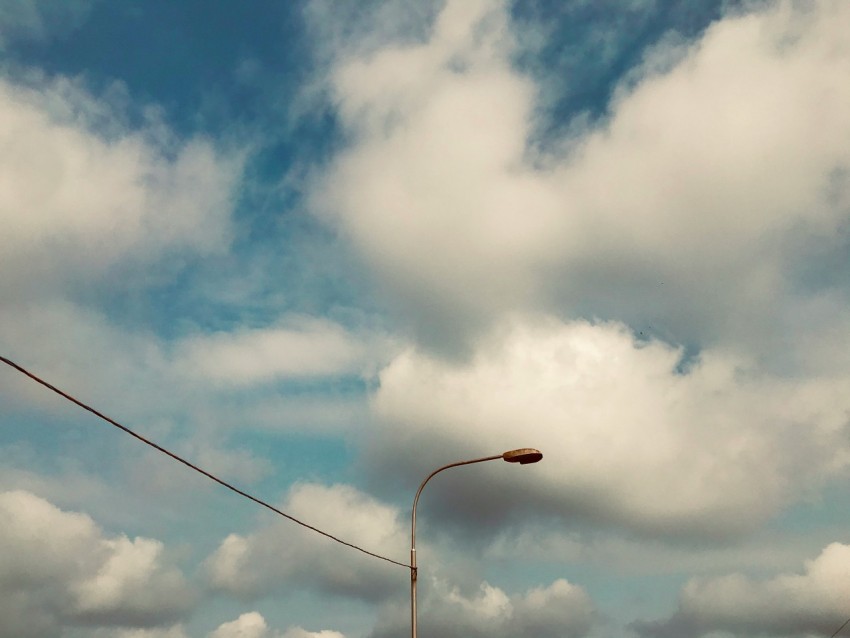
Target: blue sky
321,248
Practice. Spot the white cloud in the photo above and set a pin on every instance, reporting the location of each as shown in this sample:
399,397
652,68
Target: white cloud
628,438
303,347
559,610
89,203
697,201
814,602
253,625
124,576
283,555
248,625
83,194
690,208
220,381
434,191
57,568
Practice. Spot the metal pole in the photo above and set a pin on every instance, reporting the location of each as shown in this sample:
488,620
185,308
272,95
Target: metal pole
413,568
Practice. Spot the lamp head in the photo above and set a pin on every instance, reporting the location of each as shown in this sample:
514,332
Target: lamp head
523,456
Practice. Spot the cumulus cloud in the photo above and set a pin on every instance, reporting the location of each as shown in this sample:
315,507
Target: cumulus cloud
433,190
219,379
632,435
708,204
691,207
58,569
90,203
84,194
253,625
717,175
558,611
95,201
283,555
249,625
812,603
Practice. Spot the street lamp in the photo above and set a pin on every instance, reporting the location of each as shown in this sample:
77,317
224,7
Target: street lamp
523,456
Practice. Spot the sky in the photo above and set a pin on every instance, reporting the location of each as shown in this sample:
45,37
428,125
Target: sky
322,248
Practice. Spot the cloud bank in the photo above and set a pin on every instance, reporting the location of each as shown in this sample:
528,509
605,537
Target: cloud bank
561,610
85,194
631,434
703,211
720,170
253,625
58,569
654,299
282,556
811,603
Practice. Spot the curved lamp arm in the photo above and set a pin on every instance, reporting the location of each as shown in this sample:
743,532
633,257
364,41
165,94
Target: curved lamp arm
523,456
419,491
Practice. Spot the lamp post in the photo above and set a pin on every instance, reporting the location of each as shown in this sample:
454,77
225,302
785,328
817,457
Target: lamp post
523,456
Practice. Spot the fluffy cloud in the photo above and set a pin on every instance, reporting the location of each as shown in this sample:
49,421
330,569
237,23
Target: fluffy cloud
253,625
708,203
720,170
718,175
433,190
284,555
811,603
560,610
249,625
631,434
217,379
90,203
58,569
84,194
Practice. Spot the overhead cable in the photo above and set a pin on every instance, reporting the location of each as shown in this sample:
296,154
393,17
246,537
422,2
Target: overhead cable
209,475
838,631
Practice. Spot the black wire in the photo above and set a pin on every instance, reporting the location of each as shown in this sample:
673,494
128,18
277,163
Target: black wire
188,464
837,631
